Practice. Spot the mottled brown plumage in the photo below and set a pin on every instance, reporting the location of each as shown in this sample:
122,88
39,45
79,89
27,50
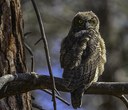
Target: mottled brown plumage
82,55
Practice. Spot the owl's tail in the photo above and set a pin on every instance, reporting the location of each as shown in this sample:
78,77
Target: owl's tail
76,98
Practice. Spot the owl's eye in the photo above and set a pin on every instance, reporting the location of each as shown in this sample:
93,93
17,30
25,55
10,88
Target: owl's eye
80,21
92,21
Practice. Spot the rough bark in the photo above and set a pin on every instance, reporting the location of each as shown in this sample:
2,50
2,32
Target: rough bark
12,57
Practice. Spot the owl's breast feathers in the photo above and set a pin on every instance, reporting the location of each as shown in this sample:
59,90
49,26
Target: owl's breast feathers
83,55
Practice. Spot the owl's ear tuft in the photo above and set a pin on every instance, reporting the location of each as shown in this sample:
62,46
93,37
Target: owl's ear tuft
77,14
91,12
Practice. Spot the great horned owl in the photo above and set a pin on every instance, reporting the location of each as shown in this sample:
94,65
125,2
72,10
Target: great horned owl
82,55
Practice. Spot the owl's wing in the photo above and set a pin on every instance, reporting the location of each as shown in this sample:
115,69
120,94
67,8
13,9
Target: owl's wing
72,50
92,64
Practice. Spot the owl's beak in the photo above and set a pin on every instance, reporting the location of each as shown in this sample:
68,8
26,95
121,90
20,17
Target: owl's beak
87,25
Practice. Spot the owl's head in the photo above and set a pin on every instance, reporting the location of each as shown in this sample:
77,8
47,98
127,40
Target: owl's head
84,21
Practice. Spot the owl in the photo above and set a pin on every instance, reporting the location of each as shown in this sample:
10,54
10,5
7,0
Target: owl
82,55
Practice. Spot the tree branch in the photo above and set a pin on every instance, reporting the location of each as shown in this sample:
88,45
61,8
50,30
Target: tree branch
26,82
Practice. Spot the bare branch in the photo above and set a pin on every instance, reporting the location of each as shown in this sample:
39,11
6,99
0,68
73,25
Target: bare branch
32,70
58,97
25,82
124,99
26,34
5,79
32,57
38,41
43,36
37,106
30,52
108,88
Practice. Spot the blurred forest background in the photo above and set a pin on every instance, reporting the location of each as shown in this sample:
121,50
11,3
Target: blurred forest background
57,16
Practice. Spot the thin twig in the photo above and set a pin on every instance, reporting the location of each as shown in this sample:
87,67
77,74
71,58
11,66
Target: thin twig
27,33
124,99
46,51
30,52
43,37
58,97
32,57
37,106
38,41
45,90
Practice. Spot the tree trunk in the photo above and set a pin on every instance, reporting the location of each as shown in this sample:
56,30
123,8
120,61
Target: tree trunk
12,56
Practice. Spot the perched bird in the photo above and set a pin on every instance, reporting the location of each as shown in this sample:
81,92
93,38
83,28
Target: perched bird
82,55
